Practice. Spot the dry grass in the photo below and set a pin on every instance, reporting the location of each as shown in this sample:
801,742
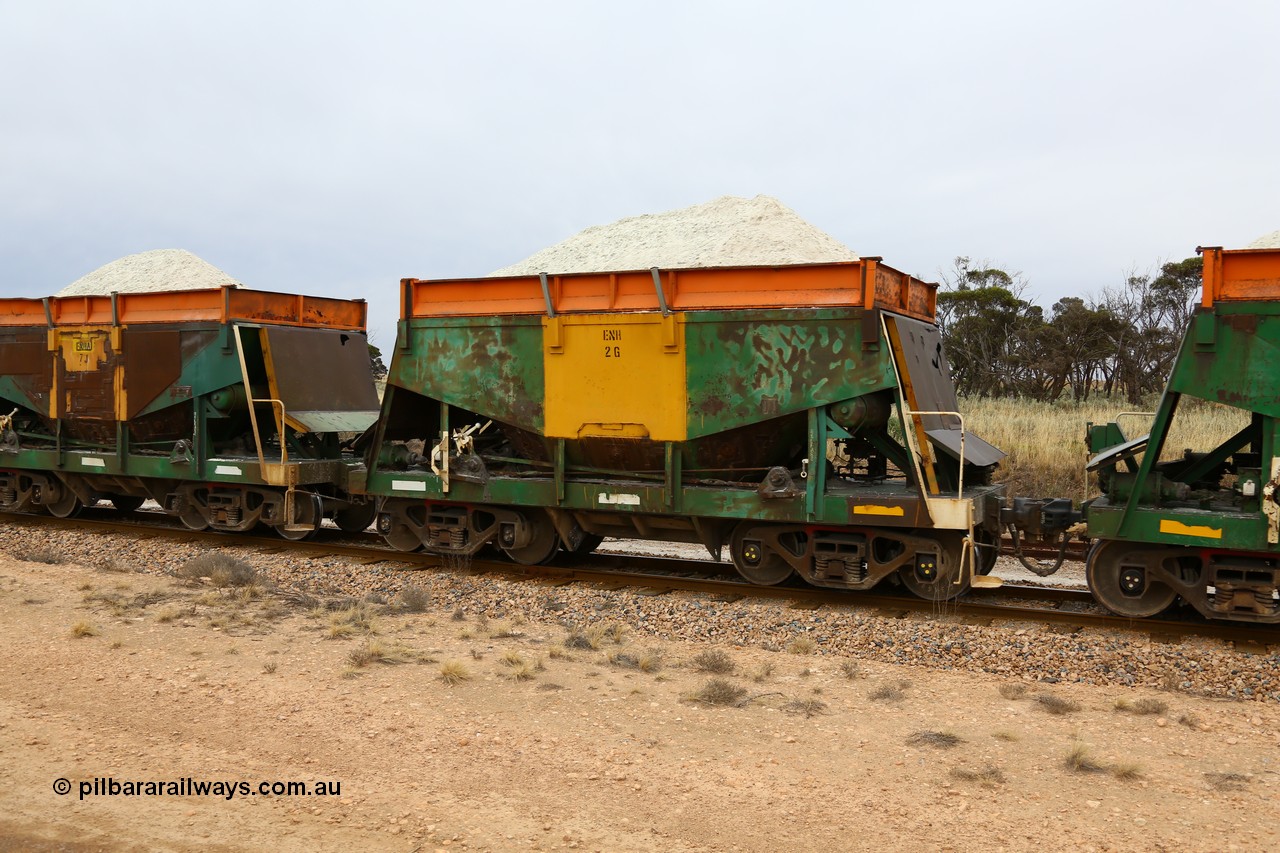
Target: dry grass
852,669
454,672
414,598
512,658
168,614
941,740
1143,706
1045,441
1079,759
987,777
718,691
1008,737
558,653
763,673
372,652
1056,704
1013,690
802,646
269,668
522,672
355,619
84,629
1189,720
47,556
1126,771
715,661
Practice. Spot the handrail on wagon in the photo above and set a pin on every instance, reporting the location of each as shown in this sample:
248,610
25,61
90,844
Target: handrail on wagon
959,417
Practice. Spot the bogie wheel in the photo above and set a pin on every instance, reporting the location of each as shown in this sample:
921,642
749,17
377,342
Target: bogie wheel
192,518
589,543
125,503
934,577
307,514
356,518
402,538
754,559
66,506
1119,578
985,551
543,543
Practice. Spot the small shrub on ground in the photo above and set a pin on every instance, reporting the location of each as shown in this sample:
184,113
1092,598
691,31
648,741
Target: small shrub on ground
84,629
1228,781
715,661
1013,690
579,640
852,669
808,707
47,556
414,598
942,740
763,673
987,777
720,692
511,658
221,569
890,692
1056,704
269,667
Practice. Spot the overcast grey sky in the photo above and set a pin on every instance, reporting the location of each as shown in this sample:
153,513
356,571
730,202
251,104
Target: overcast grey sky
315,147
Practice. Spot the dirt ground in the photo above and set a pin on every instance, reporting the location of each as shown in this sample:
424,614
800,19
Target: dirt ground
136,678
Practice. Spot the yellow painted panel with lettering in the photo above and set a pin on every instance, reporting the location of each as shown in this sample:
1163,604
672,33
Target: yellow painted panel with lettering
615,375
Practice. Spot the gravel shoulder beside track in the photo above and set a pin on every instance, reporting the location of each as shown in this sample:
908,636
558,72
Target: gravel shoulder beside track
890,733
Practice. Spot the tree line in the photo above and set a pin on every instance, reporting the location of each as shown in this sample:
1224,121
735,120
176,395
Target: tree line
1121,342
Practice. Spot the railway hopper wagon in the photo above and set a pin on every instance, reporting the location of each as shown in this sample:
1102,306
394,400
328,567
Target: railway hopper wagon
803,417
1203,526
226,406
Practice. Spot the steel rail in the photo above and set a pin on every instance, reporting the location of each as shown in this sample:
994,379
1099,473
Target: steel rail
1050,605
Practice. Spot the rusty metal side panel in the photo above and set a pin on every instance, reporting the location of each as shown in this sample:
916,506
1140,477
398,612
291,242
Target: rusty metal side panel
751,366
492,366
296,310
152,364
323,377
26,369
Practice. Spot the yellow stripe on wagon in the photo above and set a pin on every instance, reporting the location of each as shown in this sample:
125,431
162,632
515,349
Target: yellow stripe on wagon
873,509
1177,528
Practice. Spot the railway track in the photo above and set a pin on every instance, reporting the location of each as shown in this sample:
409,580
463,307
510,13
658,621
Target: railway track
1068,608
